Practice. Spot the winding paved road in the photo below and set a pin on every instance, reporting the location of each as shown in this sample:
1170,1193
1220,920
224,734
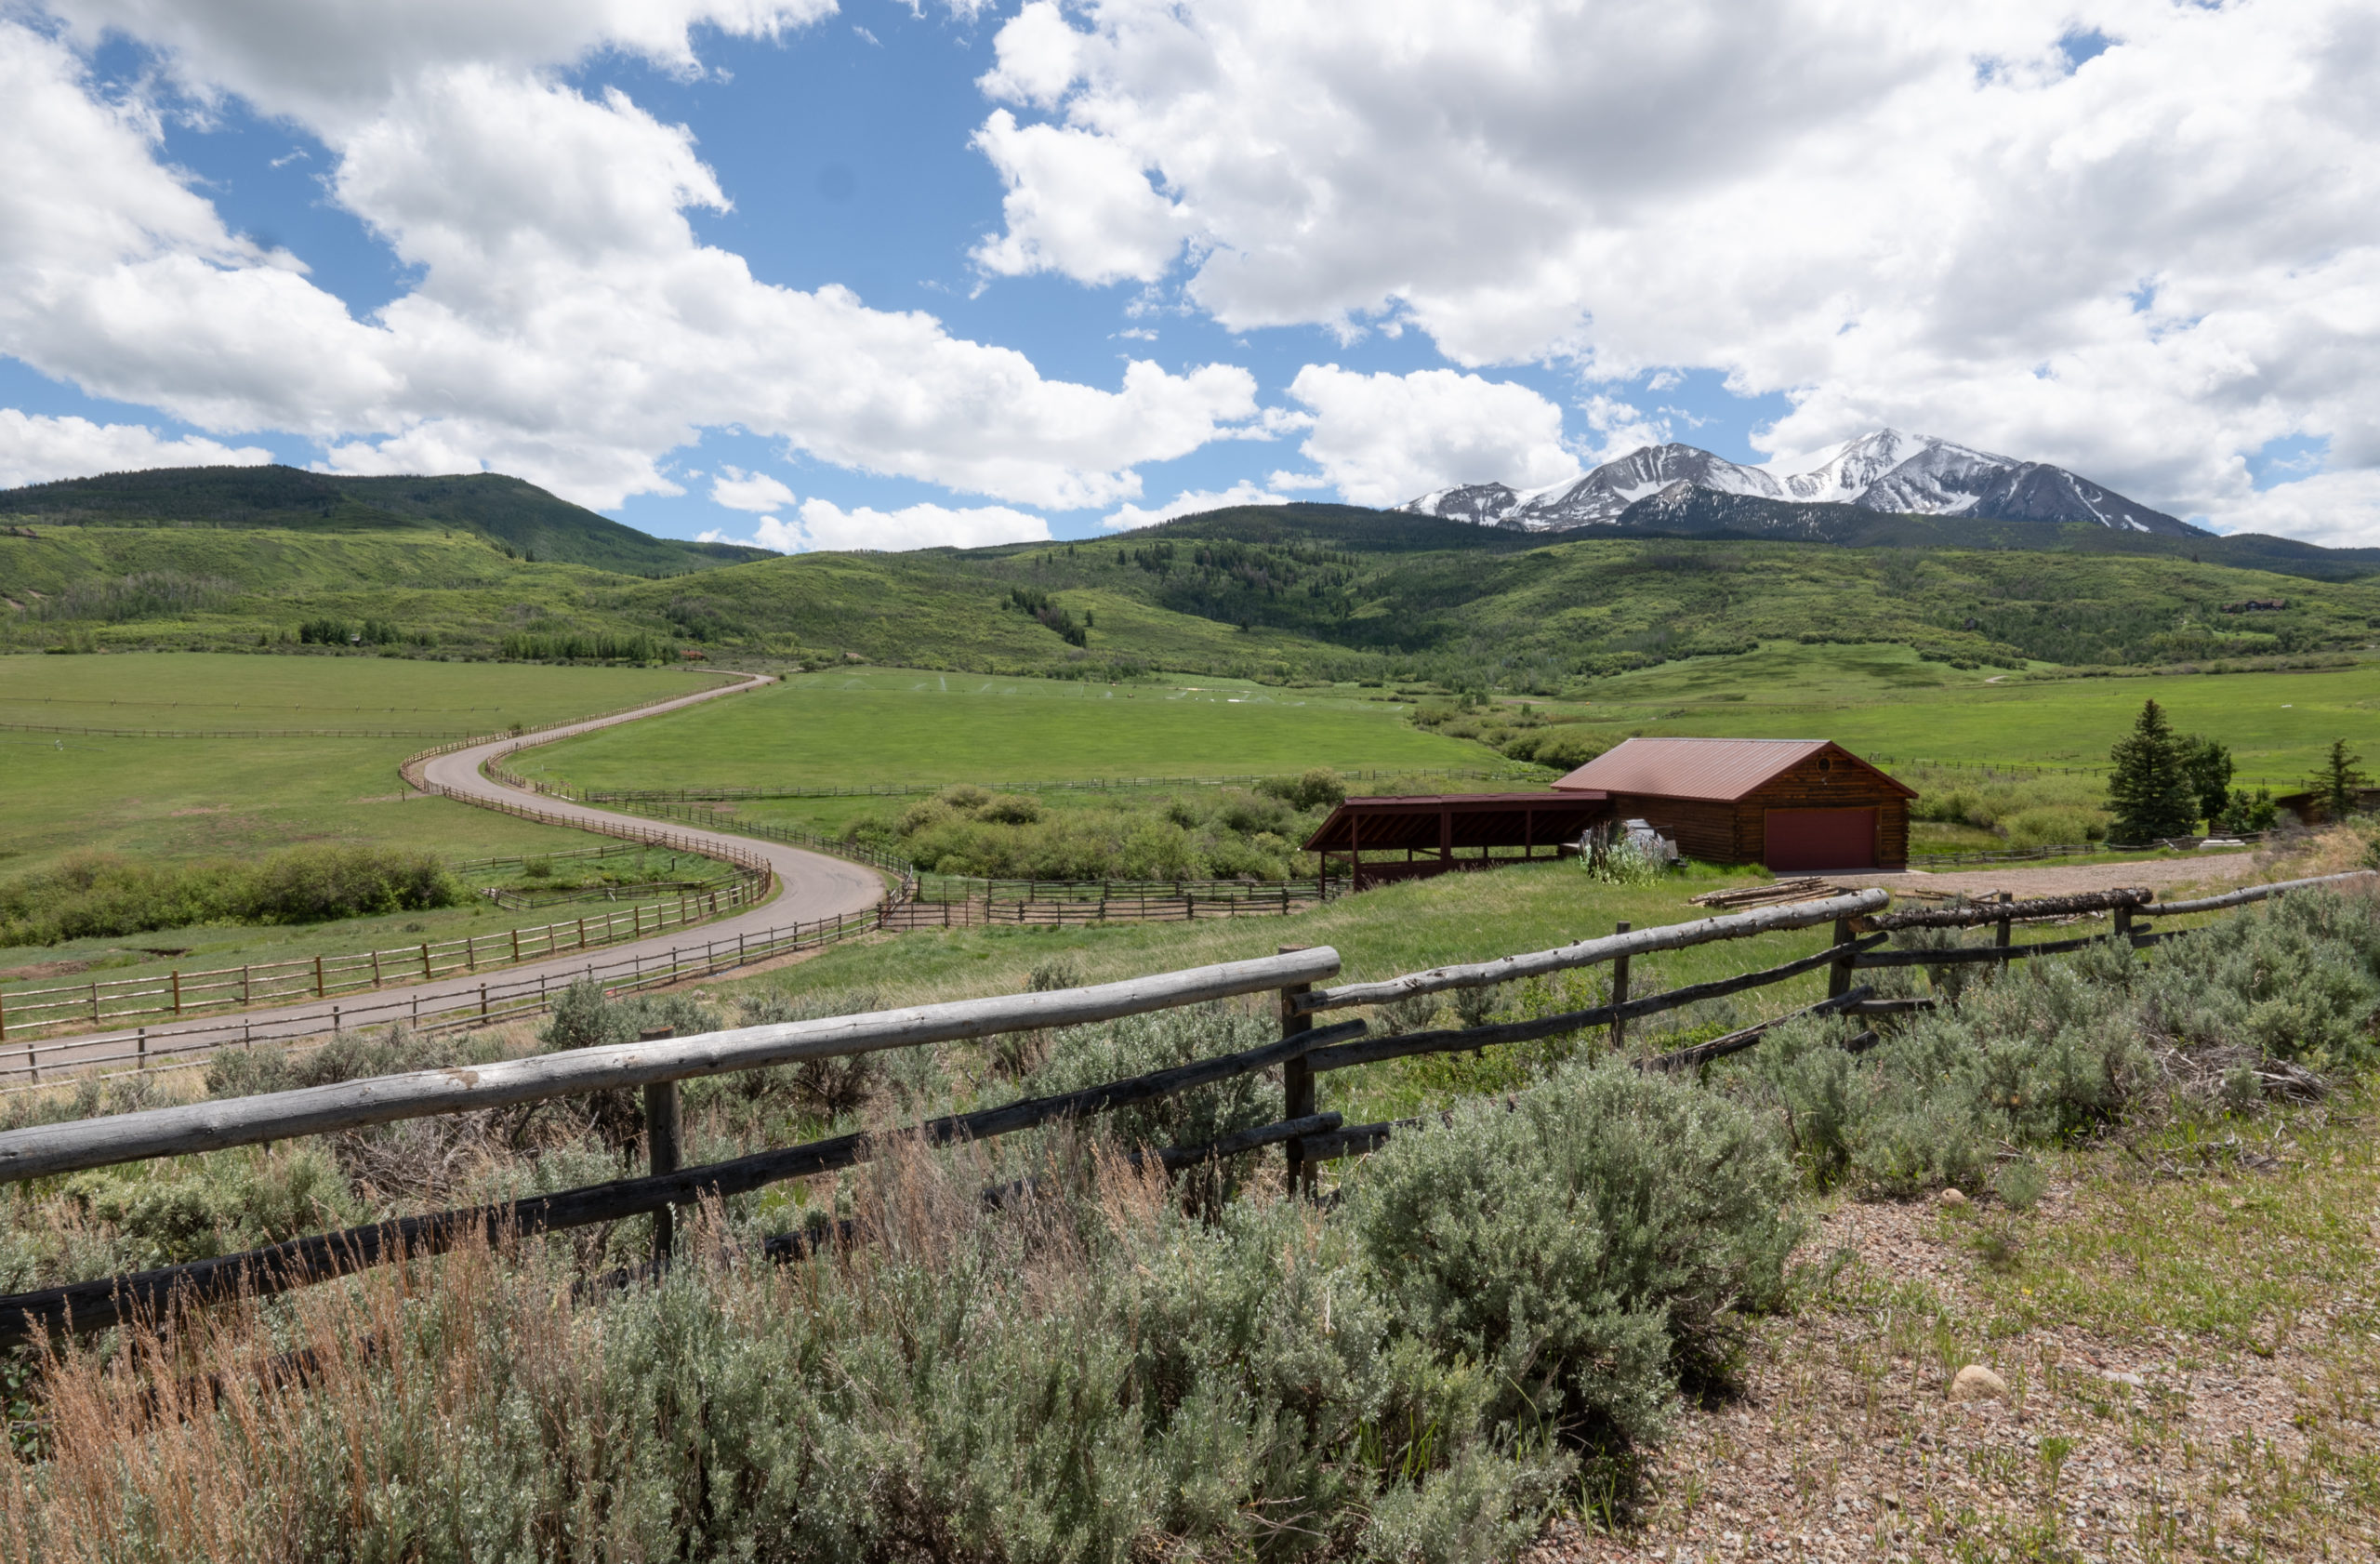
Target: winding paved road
813,886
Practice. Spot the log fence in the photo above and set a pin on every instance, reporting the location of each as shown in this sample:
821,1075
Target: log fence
1303,1050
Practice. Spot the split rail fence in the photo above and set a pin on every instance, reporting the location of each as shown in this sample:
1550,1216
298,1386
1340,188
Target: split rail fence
1304,1052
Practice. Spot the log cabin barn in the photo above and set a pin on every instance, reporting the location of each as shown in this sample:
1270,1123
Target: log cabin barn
1795,804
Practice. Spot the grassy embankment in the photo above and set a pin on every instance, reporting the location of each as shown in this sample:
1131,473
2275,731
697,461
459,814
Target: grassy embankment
178,799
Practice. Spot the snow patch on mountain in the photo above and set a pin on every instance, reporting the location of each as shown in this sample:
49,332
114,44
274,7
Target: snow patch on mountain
1887,471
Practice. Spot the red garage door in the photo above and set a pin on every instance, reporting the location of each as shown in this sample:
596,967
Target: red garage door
1807,839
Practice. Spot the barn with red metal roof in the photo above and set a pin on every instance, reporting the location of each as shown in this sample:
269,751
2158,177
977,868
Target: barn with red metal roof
1791,804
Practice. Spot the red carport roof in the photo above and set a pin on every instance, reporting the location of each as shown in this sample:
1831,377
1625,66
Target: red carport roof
1722,770
1392,825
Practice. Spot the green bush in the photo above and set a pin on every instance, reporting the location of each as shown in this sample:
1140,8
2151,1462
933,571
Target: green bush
1586,1243
1081,1056
585,1016
164,1213
2056,1049
103,894
1317,788
1565,746
2294,979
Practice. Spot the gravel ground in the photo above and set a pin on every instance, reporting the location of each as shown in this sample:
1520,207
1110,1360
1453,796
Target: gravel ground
2141,1442
2063,879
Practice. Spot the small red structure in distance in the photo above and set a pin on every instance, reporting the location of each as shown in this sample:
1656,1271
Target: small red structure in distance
1795,804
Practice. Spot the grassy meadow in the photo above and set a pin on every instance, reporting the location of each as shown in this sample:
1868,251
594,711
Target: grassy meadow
893,725
1884,702
182,798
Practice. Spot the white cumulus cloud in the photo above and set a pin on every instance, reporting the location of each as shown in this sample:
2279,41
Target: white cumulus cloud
739,490
2142,262
1381,439
821,523
566,324
35,448
1190,503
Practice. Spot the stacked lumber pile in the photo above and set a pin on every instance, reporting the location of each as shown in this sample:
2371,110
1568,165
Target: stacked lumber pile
1770,894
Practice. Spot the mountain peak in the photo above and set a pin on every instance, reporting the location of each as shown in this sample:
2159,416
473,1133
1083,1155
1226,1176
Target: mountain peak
1886,470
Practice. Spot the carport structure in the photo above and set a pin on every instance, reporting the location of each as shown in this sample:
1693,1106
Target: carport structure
1414,838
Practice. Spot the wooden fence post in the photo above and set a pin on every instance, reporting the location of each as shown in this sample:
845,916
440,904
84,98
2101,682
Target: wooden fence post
1838,976
1619,992
318,977
1297,1083
178,996
664,1150
2002,930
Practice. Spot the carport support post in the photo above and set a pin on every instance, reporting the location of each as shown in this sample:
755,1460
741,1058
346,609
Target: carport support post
665,1152
1618,993
1297,1084
1838,976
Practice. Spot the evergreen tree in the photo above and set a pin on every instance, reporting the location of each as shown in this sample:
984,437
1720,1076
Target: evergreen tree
2208,765
2149,792
2339,783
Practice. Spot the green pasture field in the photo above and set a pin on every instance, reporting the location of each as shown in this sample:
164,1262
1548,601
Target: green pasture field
1884,702
870,725
184,798
333,690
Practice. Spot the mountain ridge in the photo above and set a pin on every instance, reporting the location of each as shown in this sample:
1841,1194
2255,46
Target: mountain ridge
1886,471
512,512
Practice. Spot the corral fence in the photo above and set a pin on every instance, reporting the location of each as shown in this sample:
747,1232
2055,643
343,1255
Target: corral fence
170,996
1304,1052
466,1007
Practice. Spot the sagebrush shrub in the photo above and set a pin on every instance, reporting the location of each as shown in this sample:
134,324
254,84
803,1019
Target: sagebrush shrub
1081,1056
1587,1241
2296,979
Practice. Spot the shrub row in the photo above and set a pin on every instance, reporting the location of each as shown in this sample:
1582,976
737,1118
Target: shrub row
101,895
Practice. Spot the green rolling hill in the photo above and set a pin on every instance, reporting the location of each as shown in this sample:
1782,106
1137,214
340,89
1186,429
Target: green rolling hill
490,566
513,514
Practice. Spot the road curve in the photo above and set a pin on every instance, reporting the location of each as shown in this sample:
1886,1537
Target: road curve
815,885
812,886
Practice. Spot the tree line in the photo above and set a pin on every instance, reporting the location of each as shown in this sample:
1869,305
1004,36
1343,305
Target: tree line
2162,783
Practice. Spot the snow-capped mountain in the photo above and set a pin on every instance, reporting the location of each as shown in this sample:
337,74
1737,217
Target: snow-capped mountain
1613,487
1887,472
1484,503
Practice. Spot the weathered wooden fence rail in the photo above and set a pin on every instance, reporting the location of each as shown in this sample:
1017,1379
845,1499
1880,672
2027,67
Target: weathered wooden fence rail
1304,1052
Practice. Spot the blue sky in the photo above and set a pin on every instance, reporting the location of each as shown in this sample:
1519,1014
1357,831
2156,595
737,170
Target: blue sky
1475,271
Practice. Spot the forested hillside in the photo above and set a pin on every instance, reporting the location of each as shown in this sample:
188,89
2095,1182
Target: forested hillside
470,568
518,517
